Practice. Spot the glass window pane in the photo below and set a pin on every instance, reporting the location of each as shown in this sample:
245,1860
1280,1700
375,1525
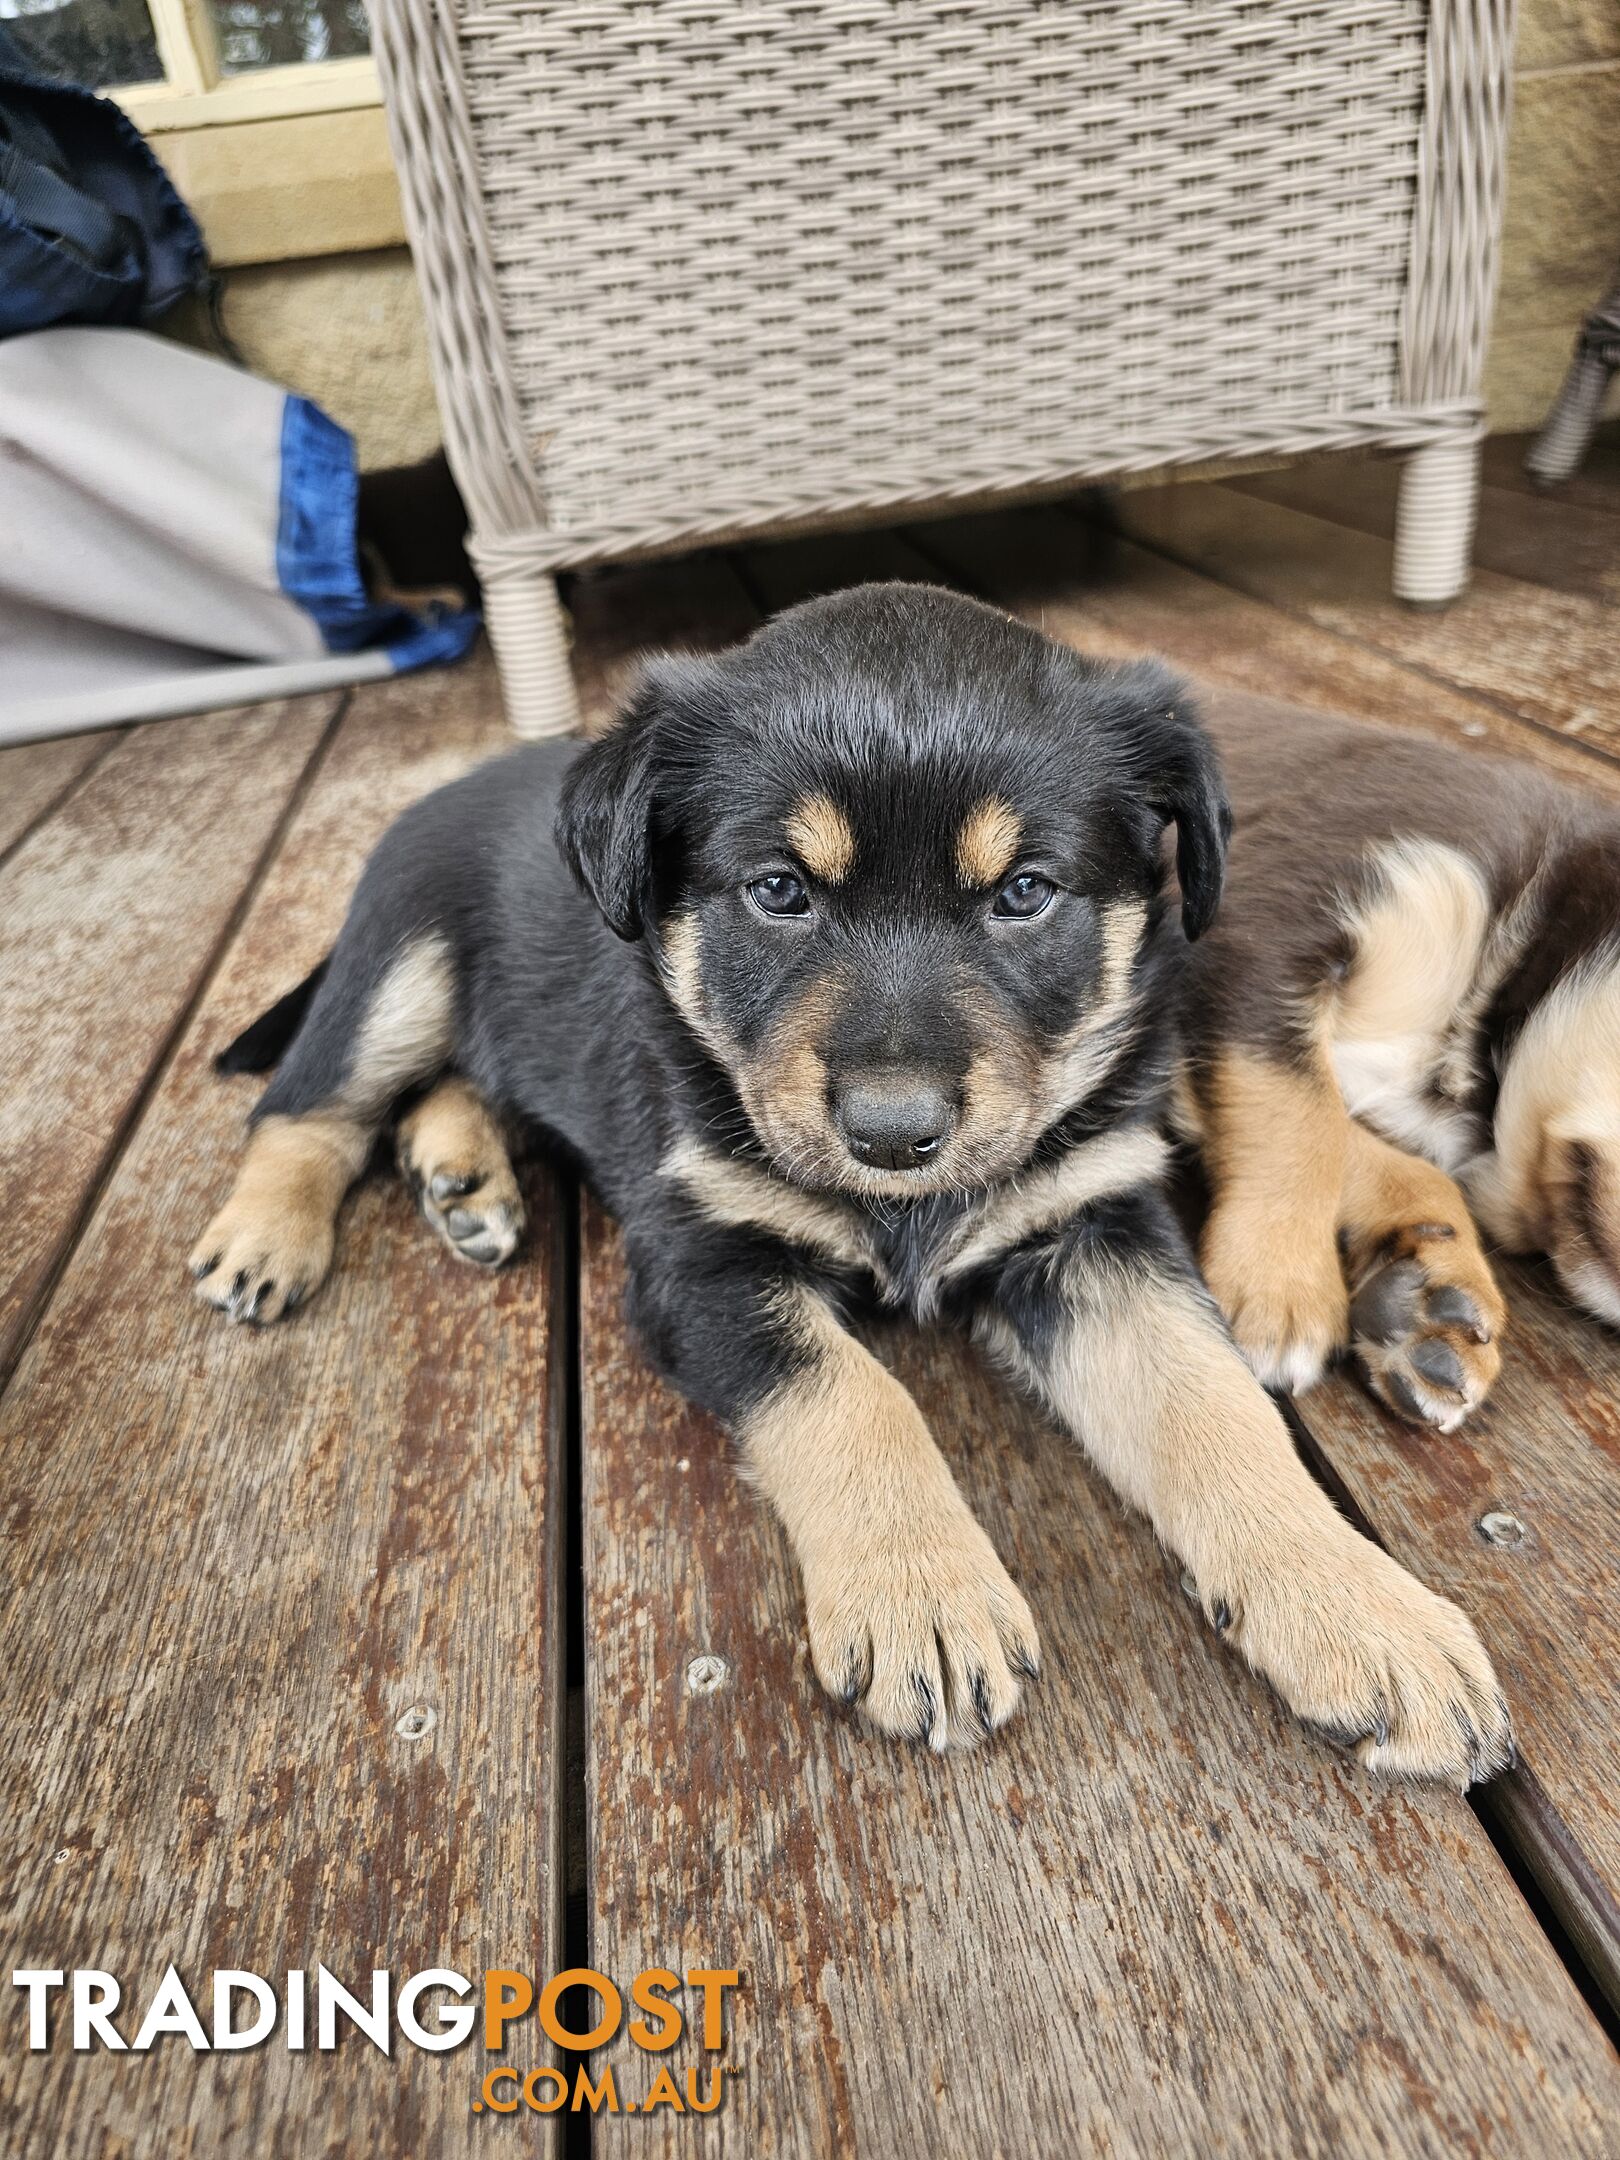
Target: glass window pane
279,33
97,42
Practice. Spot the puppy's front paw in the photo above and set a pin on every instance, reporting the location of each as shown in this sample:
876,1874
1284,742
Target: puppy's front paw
258,1261
1425,1314
1283,1296
923,1628
1357,1646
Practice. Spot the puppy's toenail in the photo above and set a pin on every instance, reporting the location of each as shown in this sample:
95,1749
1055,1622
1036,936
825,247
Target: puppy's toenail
1451,1306
981,1701
463,1222
448,1186
1439,1364
927,1705
201,1269
1222,1616
1024,1664
484,1250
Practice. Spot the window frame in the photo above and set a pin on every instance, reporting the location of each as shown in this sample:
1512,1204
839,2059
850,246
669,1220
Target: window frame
267,160
196,92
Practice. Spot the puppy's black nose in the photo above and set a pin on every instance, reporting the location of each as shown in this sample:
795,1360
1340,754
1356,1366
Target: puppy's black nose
896,1124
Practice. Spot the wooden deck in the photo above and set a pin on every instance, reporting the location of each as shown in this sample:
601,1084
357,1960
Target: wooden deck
431,1631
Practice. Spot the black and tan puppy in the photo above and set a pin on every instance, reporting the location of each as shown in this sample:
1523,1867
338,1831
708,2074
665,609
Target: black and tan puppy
1406,1021
848,979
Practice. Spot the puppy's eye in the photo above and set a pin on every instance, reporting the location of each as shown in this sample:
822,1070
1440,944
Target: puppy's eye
779,894
1024,896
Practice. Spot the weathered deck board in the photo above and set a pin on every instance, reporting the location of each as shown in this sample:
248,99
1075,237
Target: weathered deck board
113,910
620,613
1536,538
1548,1444
33,776
1552,657
236,1560
1546,1450
1595,487
1153,1917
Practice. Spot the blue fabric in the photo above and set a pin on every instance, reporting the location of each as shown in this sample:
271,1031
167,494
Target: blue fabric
91,230
317,564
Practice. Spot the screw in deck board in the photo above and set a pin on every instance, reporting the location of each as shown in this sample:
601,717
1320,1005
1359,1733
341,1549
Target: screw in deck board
1500,1528
707,1675
417,1724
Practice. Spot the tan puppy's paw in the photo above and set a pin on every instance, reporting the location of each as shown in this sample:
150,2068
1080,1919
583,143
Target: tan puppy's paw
454,1158
259,1259
1360,1649
923,1628
1425,1315
1283,1296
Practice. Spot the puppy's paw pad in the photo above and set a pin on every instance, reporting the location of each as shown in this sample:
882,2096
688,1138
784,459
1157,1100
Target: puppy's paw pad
257,1266
473,1204
926,1632
1424,1319
1379,1664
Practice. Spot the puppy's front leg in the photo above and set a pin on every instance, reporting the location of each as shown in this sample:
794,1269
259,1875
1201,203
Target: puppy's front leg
911,1614
1117,1334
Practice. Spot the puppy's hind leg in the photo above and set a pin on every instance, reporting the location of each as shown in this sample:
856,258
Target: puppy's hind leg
454,1158
381,1022
1425,1312
1274,1135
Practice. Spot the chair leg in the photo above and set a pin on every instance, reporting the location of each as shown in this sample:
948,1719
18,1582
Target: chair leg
529,631
1567,432
1434,523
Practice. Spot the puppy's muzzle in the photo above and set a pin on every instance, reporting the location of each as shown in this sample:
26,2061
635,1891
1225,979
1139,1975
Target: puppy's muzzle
893,1122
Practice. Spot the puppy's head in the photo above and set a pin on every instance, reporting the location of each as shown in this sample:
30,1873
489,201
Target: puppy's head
898,858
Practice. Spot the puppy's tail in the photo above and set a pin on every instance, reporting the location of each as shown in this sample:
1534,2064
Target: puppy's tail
261,1044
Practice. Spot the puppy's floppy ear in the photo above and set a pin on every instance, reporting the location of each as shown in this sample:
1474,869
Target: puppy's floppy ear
1180,776
606,809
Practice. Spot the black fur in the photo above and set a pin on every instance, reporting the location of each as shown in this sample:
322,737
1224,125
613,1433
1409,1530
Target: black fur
905,707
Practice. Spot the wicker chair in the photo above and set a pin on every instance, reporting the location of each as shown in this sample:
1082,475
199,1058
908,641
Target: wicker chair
696,269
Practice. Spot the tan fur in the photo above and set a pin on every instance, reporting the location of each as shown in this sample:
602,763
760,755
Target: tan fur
1082,1059
1552,1180
899,1579
1422,965
1114,1162
1401,1212
987,843
270,1246
451,1135
1274,1139
408,1031
1181,1428
747,1197
820,835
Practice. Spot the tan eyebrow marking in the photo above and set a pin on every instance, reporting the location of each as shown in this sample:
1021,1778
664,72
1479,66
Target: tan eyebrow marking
987,843
819,834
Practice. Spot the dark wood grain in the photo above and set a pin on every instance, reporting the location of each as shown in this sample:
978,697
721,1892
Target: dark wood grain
1537,538
35,776
113,910
1595,487
235,1560
622,612
1549,1438
1551,657
1153,1917
1545,1449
